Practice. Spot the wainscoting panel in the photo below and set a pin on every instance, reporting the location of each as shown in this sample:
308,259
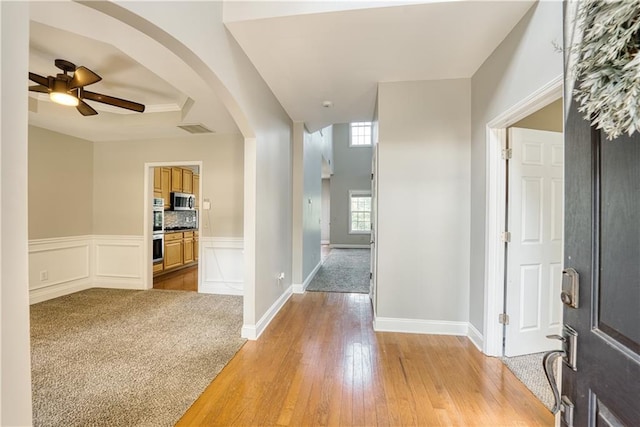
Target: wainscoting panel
59,266
118,262
221,267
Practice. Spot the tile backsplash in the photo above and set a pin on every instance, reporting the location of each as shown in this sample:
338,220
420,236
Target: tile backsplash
174,219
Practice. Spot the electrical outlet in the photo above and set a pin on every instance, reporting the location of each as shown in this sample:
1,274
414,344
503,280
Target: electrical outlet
44,275
281,276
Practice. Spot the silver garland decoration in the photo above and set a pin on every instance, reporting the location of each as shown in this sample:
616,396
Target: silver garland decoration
608,65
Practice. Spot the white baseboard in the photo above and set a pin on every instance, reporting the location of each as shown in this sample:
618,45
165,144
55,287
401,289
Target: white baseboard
59,290
300,289
476,337
222,288
253,332
419,326
347,246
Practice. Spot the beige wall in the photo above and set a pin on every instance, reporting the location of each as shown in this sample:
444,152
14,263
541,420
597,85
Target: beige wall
119,181
523,63
60,185
548,118
78,187
423,200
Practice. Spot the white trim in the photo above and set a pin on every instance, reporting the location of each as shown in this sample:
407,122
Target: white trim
300,289
348,246
76,263
324,242
59,290
221,265
420,326
476,337
495,208
127,274
253,332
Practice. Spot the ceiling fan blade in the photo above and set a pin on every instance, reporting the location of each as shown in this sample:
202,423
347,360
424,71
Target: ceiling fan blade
38,79
83,77
39,88
86,109
110,100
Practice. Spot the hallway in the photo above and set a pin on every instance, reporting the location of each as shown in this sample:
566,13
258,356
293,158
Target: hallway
320,363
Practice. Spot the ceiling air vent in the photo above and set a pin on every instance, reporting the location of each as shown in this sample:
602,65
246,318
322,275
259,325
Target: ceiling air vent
197,128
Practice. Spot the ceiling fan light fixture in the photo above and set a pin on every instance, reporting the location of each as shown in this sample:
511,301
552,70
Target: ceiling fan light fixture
64,99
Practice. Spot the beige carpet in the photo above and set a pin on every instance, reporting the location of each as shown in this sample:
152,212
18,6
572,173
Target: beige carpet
128,358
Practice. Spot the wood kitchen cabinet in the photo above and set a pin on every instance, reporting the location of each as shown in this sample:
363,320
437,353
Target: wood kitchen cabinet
187,181
176,180
173,250
196,245
180,249
188,248
196,188
157,181
158,267
165,186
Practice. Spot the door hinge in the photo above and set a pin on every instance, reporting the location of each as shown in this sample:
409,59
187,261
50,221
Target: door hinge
507,153
370,275
503,318
505,236
372,177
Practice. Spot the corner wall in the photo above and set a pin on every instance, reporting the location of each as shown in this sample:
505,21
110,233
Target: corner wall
423,206
307,203
15,359
523,63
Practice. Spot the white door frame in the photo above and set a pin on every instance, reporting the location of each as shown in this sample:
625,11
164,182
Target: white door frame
494,267
147,271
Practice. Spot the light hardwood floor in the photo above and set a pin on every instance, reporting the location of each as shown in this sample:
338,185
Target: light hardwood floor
320,363
185,279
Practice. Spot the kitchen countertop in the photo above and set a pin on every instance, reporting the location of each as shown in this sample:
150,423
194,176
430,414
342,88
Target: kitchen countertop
179,229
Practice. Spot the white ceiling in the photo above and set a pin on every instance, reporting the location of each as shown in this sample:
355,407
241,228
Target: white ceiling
306,57
341,56
147,73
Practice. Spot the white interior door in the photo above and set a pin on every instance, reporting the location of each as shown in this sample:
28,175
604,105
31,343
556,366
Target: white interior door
534,253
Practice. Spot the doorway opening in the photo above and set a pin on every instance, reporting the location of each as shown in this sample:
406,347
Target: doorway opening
525,235
496,221
172,225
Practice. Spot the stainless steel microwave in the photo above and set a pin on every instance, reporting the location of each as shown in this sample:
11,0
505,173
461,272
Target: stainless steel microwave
183,202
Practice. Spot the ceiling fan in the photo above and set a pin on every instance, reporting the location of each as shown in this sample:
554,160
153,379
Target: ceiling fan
68,89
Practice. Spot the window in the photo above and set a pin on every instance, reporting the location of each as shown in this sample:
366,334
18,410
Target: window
360,134
359,212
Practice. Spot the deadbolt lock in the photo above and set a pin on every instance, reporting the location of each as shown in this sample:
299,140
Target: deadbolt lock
570,287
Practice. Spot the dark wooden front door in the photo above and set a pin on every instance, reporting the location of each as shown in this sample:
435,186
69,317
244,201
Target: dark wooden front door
602,242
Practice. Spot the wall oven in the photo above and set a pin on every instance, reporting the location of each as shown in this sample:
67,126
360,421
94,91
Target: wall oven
158,247
158,230
158,216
